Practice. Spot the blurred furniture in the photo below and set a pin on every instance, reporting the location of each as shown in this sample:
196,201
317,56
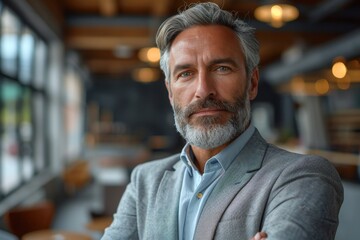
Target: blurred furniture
347,164
76,176
55,235
344,137
112,183
25,219
343,129
7,236
99,224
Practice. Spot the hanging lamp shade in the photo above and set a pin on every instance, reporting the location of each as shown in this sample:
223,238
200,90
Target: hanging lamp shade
276,14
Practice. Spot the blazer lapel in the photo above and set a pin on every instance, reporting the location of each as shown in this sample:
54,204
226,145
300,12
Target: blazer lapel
239,173
166,205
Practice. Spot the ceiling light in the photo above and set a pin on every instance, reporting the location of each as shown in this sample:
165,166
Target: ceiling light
151,55
298,84
322,86
339,70
146,75
276,14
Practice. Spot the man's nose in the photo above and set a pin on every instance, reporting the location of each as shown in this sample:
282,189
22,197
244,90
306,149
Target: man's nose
205,86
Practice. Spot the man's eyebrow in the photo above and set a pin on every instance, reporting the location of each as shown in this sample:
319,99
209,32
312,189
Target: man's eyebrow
223,60
180,67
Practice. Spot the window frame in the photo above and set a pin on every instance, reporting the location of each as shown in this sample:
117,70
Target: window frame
36,91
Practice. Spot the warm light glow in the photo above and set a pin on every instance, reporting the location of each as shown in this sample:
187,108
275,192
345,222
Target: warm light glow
153,54
108,7
339,70
146,75
322,86
149,55
343,83
276,15
276,12
298,84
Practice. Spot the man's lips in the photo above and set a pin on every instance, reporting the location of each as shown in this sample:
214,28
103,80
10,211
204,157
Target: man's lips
207,111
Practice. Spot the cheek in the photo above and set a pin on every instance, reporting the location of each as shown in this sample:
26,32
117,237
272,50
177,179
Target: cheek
181,95
232,86
229,93
178,100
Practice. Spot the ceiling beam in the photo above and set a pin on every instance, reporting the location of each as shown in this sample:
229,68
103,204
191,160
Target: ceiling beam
107,38
101,66
148,22
97,31
161,8
347,46
106,43
326,8
108,8
306,27
95,20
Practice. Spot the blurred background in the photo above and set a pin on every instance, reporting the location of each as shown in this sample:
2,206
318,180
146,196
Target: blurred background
83,101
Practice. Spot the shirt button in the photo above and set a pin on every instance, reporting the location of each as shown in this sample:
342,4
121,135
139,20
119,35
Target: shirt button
199,195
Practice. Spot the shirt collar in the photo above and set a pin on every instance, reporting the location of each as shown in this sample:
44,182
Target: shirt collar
225,157
186,156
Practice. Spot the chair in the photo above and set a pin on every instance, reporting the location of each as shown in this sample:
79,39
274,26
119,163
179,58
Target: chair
25,219
76,176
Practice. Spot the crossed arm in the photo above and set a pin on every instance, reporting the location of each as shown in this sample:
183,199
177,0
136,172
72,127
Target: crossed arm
259,236
302,203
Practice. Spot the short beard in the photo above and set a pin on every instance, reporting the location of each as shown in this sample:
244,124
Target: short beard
210,133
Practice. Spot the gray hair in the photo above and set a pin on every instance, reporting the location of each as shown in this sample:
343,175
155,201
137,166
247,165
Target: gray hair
206,14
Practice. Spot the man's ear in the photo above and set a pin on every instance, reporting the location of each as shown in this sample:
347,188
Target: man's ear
167,84
254,84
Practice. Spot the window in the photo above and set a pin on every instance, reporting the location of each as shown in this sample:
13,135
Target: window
26,54
23,67
10,28
10,98
40,63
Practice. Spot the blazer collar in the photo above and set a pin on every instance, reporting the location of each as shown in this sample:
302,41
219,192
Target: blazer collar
239,173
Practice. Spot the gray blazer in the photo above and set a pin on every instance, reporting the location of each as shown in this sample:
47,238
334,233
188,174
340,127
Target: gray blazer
287,195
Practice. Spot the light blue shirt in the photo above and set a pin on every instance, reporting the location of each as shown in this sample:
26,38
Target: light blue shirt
196,188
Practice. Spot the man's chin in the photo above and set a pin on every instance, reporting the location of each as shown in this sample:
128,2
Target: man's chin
209,137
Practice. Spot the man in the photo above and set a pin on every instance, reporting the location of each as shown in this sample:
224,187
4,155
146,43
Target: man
227,183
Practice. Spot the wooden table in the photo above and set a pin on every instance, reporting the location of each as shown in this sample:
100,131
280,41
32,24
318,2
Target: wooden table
99,224
55,235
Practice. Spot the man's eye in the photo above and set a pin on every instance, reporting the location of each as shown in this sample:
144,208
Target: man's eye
223,69
184,75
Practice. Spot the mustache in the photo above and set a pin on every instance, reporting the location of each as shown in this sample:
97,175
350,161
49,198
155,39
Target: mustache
209,103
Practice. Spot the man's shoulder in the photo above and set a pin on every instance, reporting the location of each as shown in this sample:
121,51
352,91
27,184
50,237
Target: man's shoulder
279,152
301,161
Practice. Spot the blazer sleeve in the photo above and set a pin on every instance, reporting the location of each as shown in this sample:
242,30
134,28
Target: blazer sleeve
124,225
304,202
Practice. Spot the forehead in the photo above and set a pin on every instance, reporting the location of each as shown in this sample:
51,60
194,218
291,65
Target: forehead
205,42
